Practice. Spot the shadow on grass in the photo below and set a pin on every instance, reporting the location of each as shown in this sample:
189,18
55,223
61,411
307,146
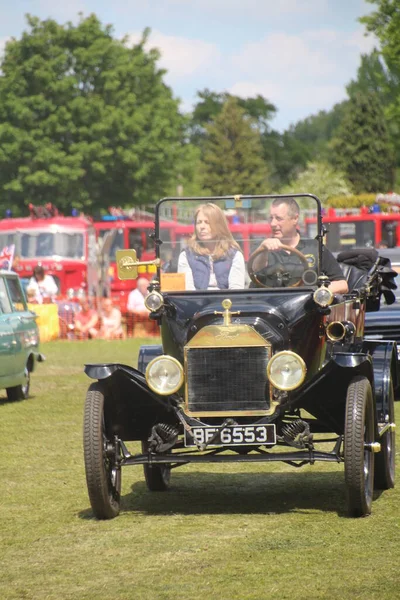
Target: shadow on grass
239,493
4,400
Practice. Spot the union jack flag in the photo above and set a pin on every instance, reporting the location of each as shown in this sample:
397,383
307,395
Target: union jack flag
6,257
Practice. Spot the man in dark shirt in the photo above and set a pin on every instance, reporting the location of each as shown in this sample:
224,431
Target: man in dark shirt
284,217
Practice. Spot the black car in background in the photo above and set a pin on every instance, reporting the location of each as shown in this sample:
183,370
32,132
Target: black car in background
385,323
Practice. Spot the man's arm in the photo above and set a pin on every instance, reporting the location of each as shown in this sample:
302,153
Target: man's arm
331,268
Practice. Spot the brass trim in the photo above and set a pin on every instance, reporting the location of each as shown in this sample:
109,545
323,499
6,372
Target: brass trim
339,330
219,336
325,303
302,365
127,264
154,293
181,379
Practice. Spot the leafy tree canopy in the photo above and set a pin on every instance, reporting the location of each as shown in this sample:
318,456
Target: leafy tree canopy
232,154
85,120
362,148
212,103
321,179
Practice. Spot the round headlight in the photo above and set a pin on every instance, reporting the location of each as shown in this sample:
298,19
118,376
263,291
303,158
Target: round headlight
323,296
286,370
153,301
164,375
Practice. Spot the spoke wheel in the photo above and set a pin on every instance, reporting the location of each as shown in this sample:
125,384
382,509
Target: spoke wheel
157,476
385,460
103,474
358,460
20,392
284,248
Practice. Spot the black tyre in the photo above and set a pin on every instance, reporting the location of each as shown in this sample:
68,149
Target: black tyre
20,392
385,460
103,474
157,476
359,460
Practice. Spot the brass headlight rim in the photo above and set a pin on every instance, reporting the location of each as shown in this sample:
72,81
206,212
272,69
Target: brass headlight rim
154,293
302,365
181,379
330,299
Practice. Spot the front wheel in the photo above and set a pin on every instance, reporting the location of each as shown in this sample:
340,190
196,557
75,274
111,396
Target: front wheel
359,433
385,460
103,474
20,392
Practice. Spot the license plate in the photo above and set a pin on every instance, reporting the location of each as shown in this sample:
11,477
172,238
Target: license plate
236,435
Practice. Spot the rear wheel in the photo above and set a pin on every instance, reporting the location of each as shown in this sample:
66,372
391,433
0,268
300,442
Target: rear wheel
358,458
20,392
157,476
385,460
103,474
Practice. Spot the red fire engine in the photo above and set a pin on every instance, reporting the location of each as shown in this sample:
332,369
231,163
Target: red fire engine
64,246
357,228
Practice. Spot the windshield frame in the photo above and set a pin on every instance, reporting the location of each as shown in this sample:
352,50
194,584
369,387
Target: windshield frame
236,198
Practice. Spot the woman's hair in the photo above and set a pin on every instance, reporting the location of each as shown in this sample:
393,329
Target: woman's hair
223,238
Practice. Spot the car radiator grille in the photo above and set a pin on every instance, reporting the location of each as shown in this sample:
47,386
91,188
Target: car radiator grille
227,379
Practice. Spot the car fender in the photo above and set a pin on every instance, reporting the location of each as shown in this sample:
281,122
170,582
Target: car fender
131,407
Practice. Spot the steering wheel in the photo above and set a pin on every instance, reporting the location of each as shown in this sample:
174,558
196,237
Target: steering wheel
289,249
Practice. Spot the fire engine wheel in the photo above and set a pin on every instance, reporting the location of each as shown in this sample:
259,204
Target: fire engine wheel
385,460
103,474
359,433
259,251
157,476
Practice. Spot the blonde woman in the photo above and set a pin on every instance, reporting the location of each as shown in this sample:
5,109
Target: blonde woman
213,260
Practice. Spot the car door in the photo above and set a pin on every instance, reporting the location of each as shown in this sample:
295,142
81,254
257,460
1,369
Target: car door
8,340
23,321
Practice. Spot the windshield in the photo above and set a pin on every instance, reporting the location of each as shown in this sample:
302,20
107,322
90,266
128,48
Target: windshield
237,244
36,243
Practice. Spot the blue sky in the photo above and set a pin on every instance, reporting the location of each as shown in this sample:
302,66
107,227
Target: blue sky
299,54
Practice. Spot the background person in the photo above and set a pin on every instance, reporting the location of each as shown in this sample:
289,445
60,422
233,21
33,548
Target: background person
213,260
111,321
137,318
86,320
284,218
44,285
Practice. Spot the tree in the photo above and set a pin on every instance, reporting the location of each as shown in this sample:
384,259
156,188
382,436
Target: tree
373,76
321,179
232,154
211,104
362,148
85,120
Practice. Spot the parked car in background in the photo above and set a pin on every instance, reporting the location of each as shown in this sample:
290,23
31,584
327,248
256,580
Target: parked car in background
19,338
385,324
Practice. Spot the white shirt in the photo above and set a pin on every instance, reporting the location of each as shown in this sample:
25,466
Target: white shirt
44,289
136,301
236,278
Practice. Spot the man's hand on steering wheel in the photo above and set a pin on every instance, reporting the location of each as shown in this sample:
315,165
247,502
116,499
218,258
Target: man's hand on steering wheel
265,247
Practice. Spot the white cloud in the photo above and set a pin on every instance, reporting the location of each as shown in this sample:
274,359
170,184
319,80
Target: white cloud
364,44
285,56
182,57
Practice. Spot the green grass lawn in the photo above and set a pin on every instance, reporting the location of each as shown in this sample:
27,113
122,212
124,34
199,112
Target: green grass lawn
222,532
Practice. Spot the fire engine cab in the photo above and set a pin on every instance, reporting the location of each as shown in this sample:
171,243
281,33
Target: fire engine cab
64,246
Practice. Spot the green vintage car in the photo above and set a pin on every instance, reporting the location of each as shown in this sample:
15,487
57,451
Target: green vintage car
19,338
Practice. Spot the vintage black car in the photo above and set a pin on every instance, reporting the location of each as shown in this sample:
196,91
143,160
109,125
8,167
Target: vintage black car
251,369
